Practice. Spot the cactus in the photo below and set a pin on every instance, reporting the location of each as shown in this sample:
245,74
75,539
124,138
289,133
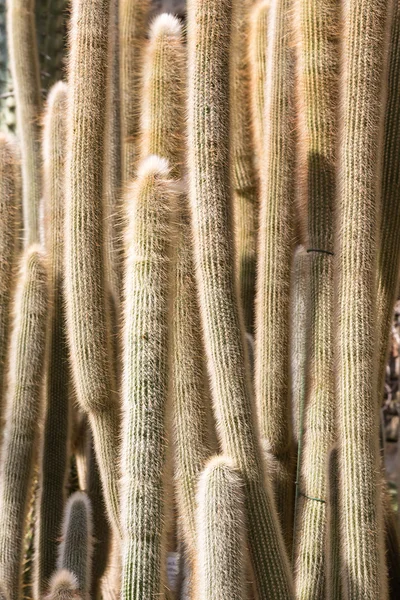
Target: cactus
357,205
332,563
24,63
133,16
63,586
76,547
317,24
221,532
389,249
244,174
87,319
149,202
274,264
8,236
210,200
54,460
24,400
258,36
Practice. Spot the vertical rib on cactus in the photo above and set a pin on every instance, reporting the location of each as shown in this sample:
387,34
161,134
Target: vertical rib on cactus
275,261
113,166
133,15
357,207
298,340
389,249
54,460
316,29
24,63
63,586
145,378
210,200
221,532
244,174
258,35
24,400
332,562
87,319
8,236
76,547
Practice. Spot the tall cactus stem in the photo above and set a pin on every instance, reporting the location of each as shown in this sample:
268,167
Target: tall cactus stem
274,264
133,17
76,547
8,246
54,459
150,204
244,173
23,415
221,532
222,323
358,204
88,323
316,29
24,62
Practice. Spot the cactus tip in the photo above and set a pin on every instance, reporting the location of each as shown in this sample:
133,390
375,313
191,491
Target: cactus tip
165,24
153,165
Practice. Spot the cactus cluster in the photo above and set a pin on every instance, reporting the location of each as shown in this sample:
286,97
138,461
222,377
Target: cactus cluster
199,258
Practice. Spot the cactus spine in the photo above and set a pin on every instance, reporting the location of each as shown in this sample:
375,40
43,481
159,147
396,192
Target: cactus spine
24,63
76,548
360,505
24,400
54,460
244,174
210,201
317,24
145,377
221,534
258,36
389,250
87,318
8,235
133,16
274,266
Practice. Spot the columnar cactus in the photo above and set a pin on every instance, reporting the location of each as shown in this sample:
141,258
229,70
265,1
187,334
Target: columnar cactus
244,173
258,37
133,17
76,547
389,249
150,204
357,207
275,261
221,532
332,563
87,318
210,202
316,25
24,63
23,414
54,459
8,245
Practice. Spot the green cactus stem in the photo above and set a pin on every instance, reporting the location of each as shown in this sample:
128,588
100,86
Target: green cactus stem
23,415
88,323
222,323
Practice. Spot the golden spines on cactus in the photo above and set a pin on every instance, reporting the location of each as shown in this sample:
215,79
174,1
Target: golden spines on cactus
24,61
8,246
221,532
148,276
317,46
54,458
357,207
275,252
23,414
88,321
222,323
133,17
